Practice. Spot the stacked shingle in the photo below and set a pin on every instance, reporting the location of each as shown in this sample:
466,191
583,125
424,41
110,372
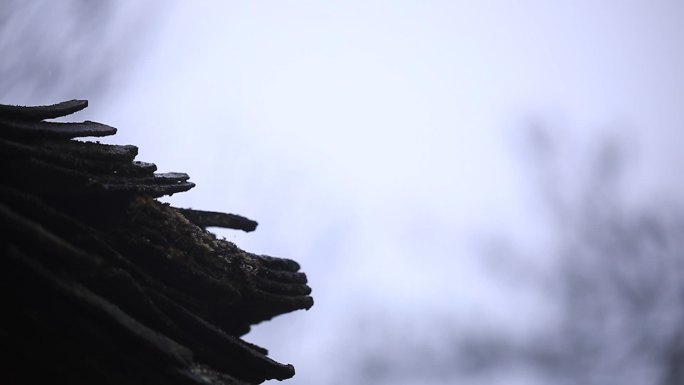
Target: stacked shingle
100,283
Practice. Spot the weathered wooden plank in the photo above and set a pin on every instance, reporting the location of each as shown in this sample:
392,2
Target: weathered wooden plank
36,113
29,130
216,219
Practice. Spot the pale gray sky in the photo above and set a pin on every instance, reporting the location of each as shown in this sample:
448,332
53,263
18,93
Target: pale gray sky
369,134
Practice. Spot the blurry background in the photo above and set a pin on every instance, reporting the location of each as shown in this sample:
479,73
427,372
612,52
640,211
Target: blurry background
480,192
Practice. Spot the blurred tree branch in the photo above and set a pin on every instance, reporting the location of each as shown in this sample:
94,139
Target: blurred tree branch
620,277
45,43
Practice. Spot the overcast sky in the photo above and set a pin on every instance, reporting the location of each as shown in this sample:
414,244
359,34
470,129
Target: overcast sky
381,143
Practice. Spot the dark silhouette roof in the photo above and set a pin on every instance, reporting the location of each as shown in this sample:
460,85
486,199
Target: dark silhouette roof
101,283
